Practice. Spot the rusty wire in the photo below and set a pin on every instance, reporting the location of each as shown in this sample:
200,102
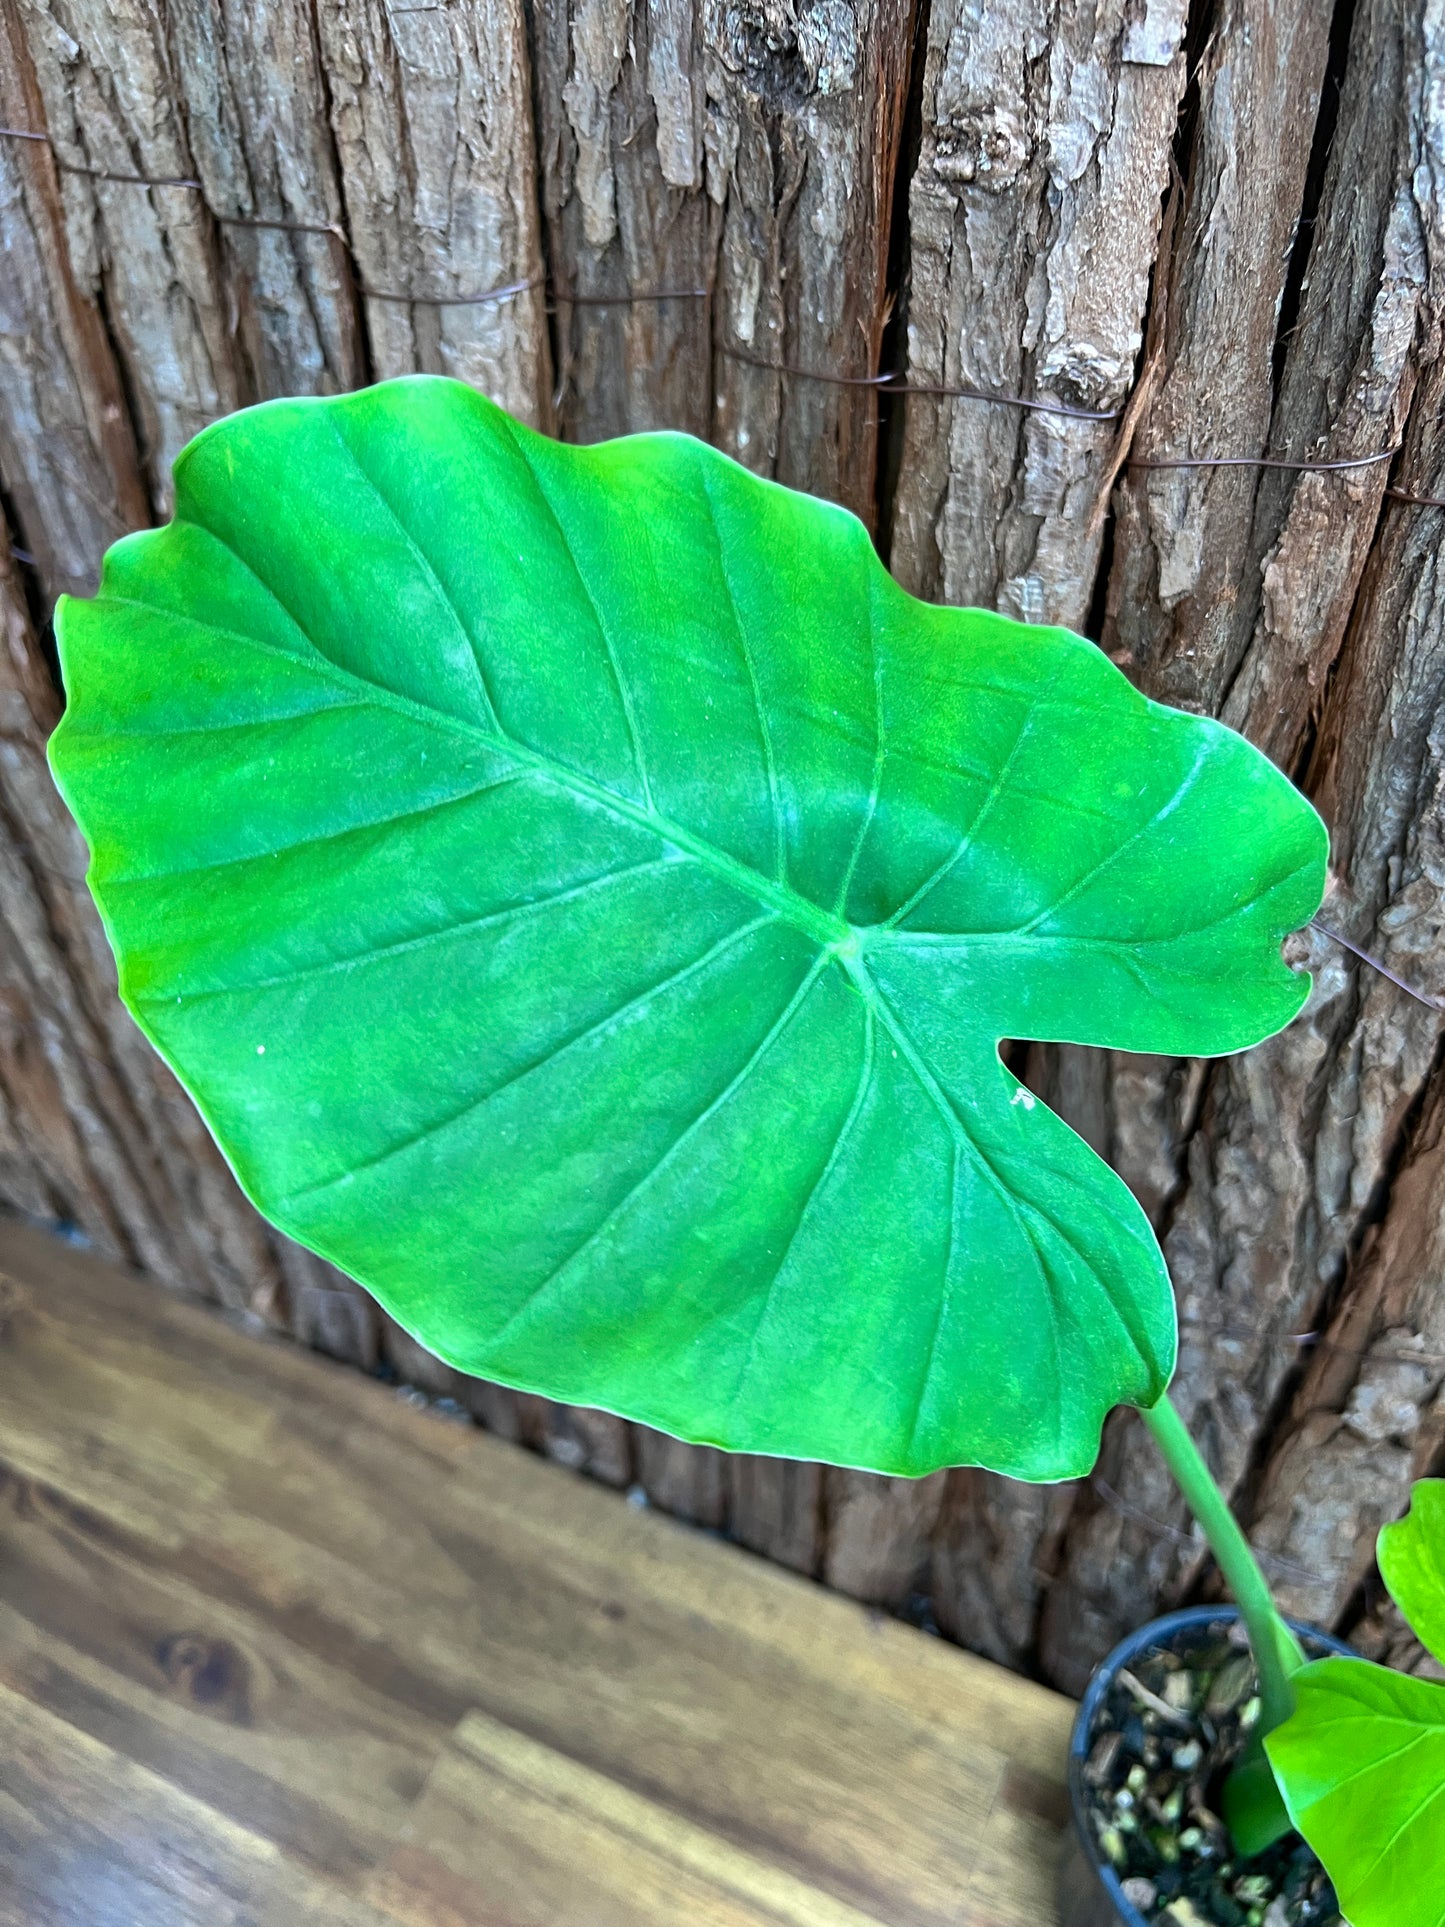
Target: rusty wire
882,384
1126,1509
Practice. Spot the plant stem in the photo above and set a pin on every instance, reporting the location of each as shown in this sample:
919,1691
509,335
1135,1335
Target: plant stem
1277,1653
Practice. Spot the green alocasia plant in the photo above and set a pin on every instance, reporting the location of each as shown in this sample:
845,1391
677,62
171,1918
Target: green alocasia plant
1361,1762
585,897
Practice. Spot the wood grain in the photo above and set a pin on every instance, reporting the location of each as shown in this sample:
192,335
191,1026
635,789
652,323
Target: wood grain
747,151
319,1628
1184,583
93,1840
431,114
68,458
620,105
148,256
1034,211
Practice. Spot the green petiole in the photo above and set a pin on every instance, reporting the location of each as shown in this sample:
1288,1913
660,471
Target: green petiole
1253,1807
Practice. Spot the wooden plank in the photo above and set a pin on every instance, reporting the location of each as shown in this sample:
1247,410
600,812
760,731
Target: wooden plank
146,256
620,96
1034,219
90,1839
878,1534
250,76
283,1587
749,152
505,1826
431,112
1185,584
67,456
93,1128
1034,214
689,1481
803,138
568,1847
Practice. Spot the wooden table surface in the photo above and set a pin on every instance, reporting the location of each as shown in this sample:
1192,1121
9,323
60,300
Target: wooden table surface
278,1647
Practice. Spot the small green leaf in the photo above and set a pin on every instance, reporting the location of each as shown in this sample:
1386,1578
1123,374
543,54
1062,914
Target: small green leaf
1361,1765
584,896
1412,1564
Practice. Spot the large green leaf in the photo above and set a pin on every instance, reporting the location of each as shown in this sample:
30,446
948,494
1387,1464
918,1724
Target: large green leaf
1361,1765
584,896
1412,1564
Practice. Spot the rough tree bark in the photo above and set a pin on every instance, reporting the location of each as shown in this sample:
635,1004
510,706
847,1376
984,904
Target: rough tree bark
1218,221
1296,1145
67,454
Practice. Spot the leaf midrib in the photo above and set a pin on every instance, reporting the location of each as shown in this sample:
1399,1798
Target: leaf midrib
825,928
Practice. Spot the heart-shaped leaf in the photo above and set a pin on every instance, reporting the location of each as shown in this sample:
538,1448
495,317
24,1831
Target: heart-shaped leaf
585,895
1361,1765
1361,1761
1412,1564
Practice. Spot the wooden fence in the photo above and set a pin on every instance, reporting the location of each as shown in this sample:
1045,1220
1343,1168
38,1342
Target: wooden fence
1152,280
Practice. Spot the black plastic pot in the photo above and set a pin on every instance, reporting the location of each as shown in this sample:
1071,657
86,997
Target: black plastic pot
1089,1891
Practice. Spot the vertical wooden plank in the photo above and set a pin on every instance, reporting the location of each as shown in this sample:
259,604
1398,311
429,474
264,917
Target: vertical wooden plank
749,150
146,255
690,1481
255,103
1367,1417
803,136
878,1532
67,459
1367,1420
620,102
774,1507
327,1310
994,1554
597,1443
805,121
1033,217
43,1165
427,150
200,317
432,117
1184,586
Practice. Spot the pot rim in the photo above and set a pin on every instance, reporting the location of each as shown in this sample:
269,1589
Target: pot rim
1154,1632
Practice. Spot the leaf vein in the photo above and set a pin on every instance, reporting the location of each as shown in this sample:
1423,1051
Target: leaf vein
417,814
1165,810
428,568
815,1190
840,908
624,692
981,815
780,848
559,1271
518,912
549,1056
